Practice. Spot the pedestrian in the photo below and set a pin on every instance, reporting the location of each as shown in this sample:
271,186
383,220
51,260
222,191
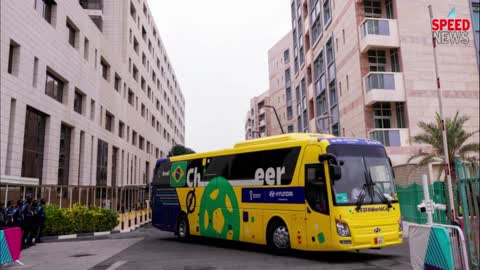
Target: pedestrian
18,214
41,217
2,217
8,213
27,222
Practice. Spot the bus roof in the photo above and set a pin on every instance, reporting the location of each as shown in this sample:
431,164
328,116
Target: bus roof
278,139
283,138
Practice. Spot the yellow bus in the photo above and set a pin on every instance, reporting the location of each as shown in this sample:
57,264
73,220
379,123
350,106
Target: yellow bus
301,191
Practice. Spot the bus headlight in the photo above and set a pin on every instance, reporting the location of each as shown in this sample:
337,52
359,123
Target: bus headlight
342,228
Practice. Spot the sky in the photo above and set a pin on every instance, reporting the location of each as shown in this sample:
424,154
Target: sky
218,49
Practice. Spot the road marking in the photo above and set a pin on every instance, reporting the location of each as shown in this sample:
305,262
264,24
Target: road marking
101,233
116,265
68,236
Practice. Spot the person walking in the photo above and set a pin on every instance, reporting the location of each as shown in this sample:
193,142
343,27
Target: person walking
41,216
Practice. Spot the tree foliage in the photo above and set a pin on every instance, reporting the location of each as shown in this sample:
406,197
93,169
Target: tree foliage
457,138
179,150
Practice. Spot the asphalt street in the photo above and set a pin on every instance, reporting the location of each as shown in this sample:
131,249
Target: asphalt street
148,248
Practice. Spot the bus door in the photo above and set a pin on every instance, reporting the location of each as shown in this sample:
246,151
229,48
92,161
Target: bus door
316,195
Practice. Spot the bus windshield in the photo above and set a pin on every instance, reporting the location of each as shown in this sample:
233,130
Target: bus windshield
365,169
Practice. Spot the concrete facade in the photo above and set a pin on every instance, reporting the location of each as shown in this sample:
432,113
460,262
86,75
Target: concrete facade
118,86
367,68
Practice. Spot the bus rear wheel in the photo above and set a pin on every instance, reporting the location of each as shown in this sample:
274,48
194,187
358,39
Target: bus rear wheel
183,232
278,238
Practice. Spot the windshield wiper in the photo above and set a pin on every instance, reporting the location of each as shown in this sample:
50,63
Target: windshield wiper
361,196
382,197
379,194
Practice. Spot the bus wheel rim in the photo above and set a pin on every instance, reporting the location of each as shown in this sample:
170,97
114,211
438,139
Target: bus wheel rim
280,237
182,228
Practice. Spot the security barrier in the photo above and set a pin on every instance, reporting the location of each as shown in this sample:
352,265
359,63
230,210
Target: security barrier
437,246
132,220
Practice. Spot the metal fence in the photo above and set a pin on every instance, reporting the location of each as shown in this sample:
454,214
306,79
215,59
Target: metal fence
468,204
119,199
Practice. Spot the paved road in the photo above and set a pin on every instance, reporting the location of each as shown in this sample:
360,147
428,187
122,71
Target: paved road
149,248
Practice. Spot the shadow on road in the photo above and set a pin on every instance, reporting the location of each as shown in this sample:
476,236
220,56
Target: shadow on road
364,256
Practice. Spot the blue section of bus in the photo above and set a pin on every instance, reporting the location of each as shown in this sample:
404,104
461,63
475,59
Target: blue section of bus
352,141
274,195
166,208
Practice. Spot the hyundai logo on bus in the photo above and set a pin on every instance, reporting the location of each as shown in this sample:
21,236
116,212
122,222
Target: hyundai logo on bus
274,195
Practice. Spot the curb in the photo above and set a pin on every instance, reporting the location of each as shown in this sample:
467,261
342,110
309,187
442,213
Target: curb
88,235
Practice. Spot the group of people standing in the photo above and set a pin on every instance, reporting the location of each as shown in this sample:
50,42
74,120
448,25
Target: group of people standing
28,215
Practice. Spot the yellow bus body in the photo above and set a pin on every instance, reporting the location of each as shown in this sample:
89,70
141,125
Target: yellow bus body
308,230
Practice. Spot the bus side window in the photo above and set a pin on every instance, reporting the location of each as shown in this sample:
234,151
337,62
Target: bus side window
316,188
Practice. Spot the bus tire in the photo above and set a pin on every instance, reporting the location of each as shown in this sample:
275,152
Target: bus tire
183,231
278,238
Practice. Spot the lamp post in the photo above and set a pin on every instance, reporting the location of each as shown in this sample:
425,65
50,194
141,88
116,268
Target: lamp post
276,115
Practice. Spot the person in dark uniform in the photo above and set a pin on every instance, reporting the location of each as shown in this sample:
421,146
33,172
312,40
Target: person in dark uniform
27,213
9,215
40,214
2,216
18,214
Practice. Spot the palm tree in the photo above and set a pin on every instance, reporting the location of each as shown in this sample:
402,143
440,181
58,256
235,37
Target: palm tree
456,141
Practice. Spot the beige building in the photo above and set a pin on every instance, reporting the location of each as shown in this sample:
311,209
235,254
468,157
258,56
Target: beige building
88,93
365,68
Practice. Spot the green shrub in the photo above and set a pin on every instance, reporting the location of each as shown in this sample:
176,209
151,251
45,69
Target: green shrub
78,219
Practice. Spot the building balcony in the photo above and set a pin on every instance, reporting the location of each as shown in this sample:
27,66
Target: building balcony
262,123
390,136
384,87
92,4
378,33
261,111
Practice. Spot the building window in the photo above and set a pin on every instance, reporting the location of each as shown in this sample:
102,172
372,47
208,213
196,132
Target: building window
54,87
72,34
286,56
33,144
327,13
134,137
135,45
64,155
13,58
78,102
131,97
141,143
142,112
121,129
287,77
133,11
92,109
118,82
135,72
86,48
144,33
46,8
372,8
394,60
105,69
382,113
142,83
35,71
389,9
400,117
102,161
109,121
377,60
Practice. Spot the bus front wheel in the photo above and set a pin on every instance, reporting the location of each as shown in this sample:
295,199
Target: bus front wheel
183,232
278,238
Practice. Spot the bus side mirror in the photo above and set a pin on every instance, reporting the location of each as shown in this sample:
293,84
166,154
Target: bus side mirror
335,172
